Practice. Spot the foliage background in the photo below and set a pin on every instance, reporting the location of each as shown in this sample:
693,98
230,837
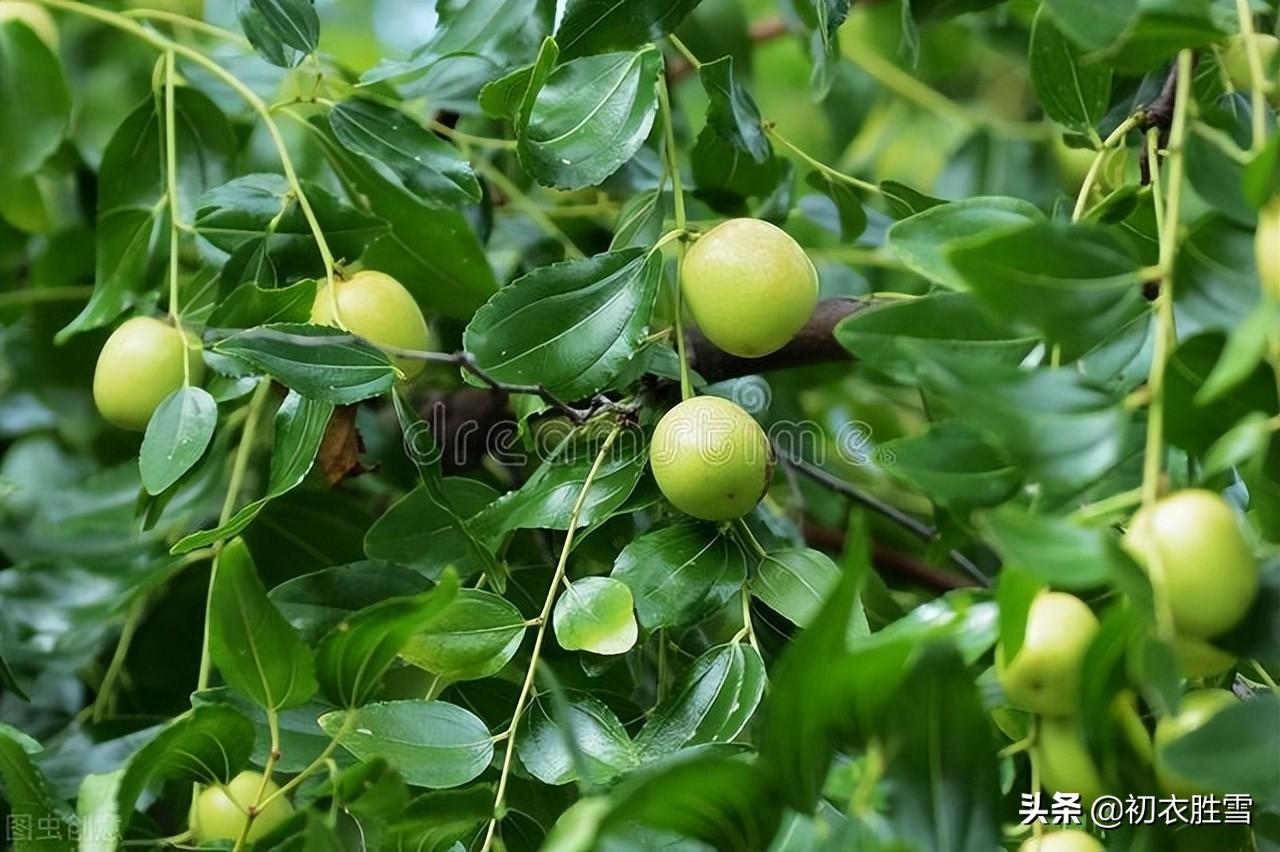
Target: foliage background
881,725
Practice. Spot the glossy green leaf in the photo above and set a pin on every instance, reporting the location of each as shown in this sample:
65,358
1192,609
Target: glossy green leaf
955,465
849,210
293,22
1245,350
249,305
1072,92
417,532
315,603
1234,751
640,221
922,241
318,362
302,739
680,574
590,117
31,802
1215,284
357,651
1059,552
795,582
432,168
731,111
572,326
596,614
822,20
511,96
299,428
474,637
712,702
35,106
1074,284
432,743
177,435
596,26
592,729
258,653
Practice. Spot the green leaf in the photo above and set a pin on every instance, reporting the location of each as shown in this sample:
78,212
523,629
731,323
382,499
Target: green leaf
318,362
131,195
1246,440
1234,751
1246,348
259,211
712,703
903,201
10,682
299,427
640,220
596,26
256,650
473,638
896,338
1074,284
590,117
441,821
511,96
1195,427
31,803
418,532
731,111
283,31
922,241
301,738
35,106
1064,430
1057,551
249,305
433,743
1136,35
596,614
944,778
425,454
1072,92
954,465
795,582
822,18
427,165
849,209
725,175
546,745
97,812
177,435
571,326
680,574
357,651
1215,284
547,498
433,251
315,603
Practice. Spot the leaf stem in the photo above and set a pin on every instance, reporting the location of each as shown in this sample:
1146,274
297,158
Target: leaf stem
684,51
1257,77
238,468
1091,177
132,621
828,171
171,181
468,139
348,719
527,687
273,725
189,23
132,27
672,165
33,295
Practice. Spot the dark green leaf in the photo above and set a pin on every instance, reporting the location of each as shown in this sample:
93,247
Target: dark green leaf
1059,552
35,106
590,117
922,241
356,652
316,361
712,703
731,111
596,26
589,726
256,650
681,574
511,96
302,739
849,209
571,326
473,638
426,164
1216,280
795,582
31,803
433,743
822,18
954,465
177,435
1072,92
640,221
1236,751
249,305
315,603
417,531
274,26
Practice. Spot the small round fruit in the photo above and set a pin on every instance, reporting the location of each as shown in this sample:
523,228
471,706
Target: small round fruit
1044,676
1070,840
140,365
1198,659
749,286
1235,59
36,17
1197,708
711,459
221,812
1193,540
378,308
1065,763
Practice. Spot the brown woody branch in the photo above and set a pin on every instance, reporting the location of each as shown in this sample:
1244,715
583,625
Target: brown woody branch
888,559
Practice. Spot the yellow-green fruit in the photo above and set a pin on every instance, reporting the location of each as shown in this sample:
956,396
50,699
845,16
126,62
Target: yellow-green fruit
1191,543
1235,59
1065,763
221,812
378,308
1197,707
140,365
34,16
711,459
1044,676
1267,248
1197,659
1070,840
1124,711
749,286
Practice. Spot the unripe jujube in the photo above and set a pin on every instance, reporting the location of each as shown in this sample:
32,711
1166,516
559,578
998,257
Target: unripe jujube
378,308
140,365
